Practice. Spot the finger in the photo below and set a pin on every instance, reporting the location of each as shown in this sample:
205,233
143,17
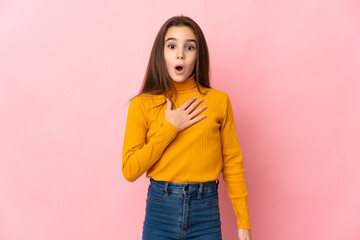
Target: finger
195,120
187,103
197,111
194,105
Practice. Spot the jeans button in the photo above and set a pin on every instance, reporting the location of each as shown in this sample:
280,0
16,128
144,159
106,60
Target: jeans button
186,188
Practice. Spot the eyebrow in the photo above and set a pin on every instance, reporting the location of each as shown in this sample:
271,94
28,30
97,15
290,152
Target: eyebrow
187,40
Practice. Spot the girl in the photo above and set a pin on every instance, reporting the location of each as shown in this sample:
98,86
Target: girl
181,152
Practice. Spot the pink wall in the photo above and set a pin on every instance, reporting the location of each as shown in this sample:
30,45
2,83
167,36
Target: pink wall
291,68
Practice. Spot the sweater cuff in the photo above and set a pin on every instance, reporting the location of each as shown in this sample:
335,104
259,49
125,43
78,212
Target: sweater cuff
169,127
242,213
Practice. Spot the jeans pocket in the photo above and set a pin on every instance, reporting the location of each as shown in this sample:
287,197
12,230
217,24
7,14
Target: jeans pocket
209,198
156,194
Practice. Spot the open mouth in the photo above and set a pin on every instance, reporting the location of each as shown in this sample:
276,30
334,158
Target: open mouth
179,68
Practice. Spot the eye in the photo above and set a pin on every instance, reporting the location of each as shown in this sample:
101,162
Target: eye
191,47
171,46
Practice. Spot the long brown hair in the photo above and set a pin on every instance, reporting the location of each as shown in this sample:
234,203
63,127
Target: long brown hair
157,80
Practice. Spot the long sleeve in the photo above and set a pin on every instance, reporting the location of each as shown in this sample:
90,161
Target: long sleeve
233,170
138,157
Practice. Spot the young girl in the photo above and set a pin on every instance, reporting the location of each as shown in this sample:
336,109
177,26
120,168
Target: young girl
181,151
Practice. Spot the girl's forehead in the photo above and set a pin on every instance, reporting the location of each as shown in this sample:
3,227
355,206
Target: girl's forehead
179,33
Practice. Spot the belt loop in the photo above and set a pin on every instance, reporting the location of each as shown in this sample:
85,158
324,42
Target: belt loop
166,189
200,190
217,183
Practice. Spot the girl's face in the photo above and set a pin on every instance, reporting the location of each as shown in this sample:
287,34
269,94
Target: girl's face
180,52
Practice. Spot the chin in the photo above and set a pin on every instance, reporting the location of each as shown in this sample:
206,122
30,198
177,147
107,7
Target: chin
180,78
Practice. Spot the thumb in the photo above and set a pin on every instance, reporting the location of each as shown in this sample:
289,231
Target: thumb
168,105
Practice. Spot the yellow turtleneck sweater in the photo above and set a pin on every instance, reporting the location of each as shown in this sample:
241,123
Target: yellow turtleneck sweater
197,154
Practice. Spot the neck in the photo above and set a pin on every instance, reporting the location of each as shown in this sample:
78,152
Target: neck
187,84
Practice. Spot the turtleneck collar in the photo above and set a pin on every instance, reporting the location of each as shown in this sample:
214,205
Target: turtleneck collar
187,84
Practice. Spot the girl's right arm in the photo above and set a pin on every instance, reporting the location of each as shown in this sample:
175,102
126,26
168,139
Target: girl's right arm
137,158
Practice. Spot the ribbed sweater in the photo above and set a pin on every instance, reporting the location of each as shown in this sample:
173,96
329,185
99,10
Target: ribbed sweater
196,154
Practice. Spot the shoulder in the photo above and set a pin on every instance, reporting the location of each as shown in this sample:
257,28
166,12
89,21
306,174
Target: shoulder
144,98
138,103
147,101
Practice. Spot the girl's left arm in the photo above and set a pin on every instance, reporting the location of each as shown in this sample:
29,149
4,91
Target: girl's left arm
233,169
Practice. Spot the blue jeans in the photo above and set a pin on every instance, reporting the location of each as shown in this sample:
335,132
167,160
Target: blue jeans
182,211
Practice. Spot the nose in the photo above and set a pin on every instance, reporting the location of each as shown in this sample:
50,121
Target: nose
180,54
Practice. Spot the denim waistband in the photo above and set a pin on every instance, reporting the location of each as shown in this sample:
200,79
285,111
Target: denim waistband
200,187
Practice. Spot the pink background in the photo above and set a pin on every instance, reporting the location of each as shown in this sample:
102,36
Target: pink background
291,68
